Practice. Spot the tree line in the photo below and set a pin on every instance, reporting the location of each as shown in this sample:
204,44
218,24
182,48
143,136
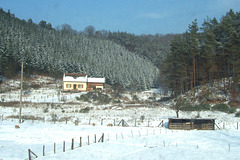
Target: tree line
56,51
204,54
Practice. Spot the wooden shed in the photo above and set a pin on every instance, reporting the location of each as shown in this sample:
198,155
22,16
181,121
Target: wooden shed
189,124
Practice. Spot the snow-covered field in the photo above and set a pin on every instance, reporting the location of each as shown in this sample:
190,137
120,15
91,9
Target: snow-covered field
147,141
120,143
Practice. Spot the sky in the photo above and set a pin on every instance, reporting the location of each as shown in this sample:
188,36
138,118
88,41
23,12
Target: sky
132,16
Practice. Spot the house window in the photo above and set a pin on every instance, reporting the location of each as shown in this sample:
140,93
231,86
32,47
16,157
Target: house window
80,86
68,85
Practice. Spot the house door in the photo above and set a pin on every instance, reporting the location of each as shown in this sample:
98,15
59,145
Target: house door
74,86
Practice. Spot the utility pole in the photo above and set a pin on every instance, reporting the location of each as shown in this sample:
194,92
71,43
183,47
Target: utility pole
21,88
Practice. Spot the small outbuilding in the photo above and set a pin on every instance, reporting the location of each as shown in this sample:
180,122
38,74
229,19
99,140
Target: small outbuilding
190,124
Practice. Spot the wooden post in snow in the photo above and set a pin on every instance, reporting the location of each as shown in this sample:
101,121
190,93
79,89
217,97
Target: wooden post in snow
80,145
72,146
43,150
63,146
21,88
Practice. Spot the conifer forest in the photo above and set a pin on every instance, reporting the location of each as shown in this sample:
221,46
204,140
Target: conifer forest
176,62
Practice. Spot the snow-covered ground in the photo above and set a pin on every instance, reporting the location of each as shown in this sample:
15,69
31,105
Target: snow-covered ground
120,143
143,140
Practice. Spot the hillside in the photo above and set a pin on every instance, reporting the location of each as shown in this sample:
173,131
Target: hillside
43,98
46,50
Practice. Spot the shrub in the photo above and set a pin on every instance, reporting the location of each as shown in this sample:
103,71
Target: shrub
104,99
223,108
237,114
142,118
85,110
116,101
135,98
83,98
187,107
202,107
45,110
95,96
165,99
54,117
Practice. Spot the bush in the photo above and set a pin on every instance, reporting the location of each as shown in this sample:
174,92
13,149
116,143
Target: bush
103,99
45,110
135,98
237,114
187,107
95,96
165,99
85,110
223,108
83,98
116,101
202,107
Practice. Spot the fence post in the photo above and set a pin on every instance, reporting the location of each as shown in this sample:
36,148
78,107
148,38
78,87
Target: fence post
101,121
54,147
103,137
88,141
132,133
95,138
63,146
29,154
43,150
237,125
80,142
72,147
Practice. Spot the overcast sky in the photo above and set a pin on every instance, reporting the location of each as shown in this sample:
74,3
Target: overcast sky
132,16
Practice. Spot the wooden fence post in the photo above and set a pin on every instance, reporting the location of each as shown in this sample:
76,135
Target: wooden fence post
72,147
103,137
54,148
80,145
237,125
43,150
101,121
88,141
29,154
95,138
90,121
63,146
